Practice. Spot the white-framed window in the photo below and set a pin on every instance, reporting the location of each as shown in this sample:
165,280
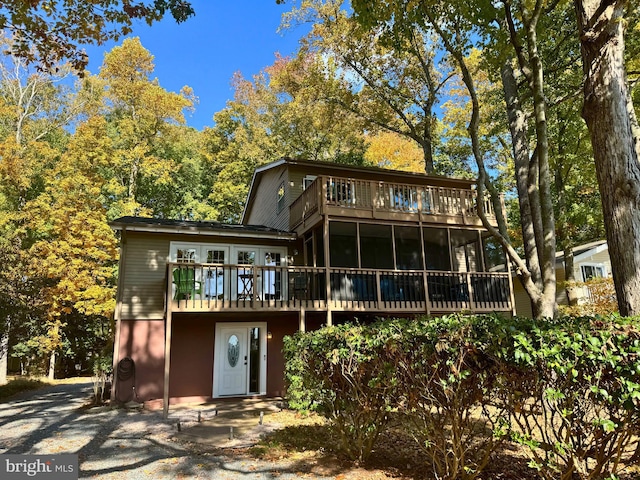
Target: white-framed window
592,270
308,180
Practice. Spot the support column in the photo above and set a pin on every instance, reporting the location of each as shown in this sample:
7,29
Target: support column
167,349
302,321
327,268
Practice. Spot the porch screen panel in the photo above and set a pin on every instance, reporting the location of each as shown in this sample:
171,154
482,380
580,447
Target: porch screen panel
318,238
465,249
343,247
436,249
494,257
376,248
408,248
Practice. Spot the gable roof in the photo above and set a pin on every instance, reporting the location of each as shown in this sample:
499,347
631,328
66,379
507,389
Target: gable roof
189,227
583,251
331,168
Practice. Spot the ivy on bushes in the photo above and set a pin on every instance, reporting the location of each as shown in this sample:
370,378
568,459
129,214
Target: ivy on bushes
566,389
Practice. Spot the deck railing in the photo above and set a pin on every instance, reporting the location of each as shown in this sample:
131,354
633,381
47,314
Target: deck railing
328,191
210,287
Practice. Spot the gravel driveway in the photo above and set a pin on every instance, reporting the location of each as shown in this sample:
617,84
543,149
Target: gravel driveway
121,444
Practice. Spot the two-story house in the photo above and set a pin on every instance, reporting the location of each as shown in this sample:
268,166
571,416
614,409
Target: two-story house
202,307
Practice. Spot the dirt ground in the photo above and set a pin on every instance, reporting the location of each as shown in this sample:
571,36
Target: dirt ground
307,440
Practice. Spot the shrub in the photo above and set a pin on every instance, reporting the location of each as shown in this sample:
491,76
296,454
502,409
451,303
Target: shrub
338,372
448,380
576,404
600,299
566,389
20,385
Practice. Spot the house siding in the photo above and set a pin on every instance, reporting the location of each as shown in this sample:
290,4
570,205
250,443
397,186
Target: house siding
597,258
143,288
146,255
143,342
192,356
523,305
265,204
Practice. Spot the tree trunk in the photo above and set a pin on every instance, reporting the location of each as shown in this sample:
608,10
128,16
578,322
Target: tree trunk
427,151
542,306
569,277
52,366
614,135
4,355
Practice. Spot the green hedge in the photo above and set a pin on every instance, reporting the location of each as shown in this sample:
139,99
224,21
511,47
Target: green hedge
566,389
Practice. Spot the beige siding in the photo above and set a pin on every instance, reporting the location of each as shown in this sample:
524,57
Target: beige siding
144,276
600,258
265,205
561,293
523,303
145,267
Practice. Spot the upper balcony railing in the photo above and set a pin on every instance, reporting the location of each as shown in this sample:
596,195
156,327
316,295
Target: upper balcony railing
208,287
378,199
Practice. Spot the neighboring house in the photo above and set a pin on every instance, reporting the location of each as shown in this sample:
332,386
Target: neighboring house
202,307
589,260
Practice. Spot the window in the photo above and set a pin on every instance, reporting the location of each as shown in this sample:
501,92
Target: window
246,257
591,271
215,256
186,255
281,197
308,180
339,192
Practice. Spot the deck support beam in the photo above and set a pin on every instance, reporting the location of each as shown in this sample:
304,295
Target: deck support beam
167,354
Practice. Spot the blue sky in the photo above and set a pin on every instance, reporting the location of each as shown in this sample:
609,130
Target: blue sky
224,37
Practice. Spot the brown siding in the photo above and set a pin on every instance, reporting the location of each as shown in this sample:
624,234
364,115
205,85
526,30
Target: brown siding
279,327
192,357
143,341
265,204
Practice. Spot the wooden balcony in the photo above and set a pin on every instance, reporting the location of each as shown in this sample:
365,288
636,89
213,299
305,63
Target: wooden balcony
247,288
387,201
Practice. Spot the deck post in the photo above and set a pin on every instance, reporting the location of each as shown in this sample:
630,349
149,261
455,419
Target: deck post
470,289
302,321
427,302
167,352
327,268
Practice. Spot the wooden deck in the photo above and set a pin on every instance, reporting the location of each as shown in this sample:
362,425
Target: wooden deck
367,199
248,288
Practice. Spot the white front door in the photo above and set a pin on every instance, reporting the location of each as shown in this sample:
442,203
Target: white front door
233,362
240,359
